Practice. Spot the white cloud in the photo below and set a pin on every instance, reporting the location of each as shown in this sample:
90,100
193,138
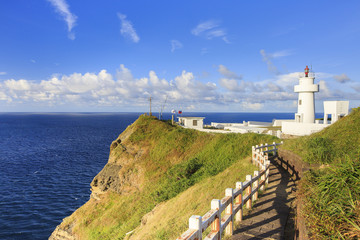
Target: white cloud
252,106
3,73
63,9
87,90
20,85
356,87
204,26
32,60
226,40
283,53
227,73
175,44
233,84
127,29
215,33
268,57
342,78
324,92
210,29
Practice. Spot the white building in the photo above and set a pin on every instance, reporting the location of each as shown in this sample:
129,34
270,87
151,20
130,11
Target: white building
192,122
306,101
336,110
305,122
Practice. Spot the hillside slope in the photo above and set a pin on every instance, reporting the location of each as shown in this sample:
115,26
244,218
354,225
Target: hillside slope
150,163
332,193
331,144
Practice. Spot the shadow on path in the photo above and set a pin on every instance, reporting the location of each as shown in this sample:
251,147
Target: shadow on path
269,215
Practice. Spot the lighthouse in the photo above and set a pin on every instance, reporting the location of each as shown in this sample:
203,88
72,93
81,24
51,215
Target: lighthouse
306,103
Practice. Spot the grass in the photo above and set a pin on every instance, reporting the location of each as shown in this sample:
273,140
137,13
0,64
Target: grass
170,219
173,160
332,193
333,201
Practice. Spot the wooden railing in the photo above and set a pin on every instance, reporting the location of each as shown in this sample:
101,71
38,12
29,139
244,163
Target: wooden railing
260,153
235,198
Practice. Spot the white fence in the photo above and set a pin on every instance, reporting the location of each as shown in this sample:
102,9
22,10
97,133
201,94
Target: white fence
235,198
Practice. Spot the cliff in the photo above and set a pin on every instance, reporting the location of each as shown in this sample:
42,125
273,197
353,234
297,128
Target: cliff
152,166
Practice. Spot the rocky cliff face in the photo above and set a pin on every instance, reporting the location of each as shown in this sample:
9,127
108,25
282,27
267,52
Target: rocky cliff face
121,175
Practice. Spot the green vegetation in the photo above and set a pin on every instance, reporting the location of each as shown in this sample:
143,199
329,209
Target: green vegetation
333,207
173,161
332,193
170,219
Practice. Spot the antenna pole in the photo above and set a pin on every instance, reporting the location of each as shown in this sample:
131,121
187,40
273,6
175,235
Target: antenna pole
150,107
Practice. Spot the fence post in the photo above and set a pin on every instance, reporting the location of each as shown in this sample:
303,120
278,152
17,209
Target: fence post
266,147
215,226
267,163
229,210
195,222
248,191
253,156
238,200
255,185
262,178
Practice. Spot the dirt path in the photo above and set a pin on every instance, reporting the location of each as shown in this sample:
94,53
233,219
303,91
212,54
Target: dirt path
269,215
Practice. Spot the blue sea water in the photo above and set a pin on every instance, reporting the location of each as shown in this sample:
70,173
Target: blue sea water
48,160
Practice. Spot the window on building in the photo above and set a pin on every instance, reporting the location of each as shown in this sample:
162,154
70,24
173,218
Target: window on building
300,102
194,122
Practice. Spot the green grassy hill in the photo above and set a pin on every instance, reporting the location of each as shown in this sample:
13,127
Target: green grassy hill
153,164
332,193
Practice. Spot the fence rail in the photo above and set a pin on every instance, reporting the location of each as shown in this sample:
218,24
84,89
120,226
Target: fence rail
243,194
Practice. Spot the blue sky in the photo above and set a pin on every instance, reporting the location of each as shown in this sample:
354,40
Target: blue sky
228,56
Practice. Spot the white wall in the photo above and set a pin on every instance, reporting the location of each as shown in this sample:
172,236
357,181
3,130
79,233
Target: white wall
188,122
336,109
301,129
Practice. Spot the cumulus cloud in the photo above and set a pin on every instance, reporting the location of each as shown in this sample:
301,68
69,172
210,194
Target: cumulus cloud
342,78
20,85
233,84
175,44
210,29
127,29
63,9
125,90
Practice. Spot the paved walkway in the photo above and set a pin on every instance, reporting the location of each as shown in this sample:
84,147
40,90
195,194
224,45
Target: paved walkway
268,217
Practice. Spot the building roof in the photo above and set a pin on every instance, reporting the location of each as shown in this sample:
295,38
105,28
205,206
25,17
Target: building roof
192,117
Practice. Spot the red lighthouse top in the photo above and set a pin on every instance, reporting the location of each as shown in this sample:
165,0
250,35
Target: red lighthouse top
306,71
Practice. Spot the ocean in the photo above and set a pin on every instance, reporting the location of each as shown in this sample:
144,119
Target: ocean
48,160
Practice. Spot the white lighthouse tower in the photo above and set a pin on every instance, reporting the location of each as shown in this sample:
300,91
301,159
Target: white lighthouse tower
306,103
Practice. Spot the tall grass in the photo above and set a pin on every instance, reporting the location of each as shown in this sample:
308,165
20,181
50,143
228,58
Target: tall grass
333,200
332,194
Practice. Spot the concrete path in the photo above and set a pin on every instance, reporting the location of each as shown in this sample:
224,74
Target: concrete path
269,215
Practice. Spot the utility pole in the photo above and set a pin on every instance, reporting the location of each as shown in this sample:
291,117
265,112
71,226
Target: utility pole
150,107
